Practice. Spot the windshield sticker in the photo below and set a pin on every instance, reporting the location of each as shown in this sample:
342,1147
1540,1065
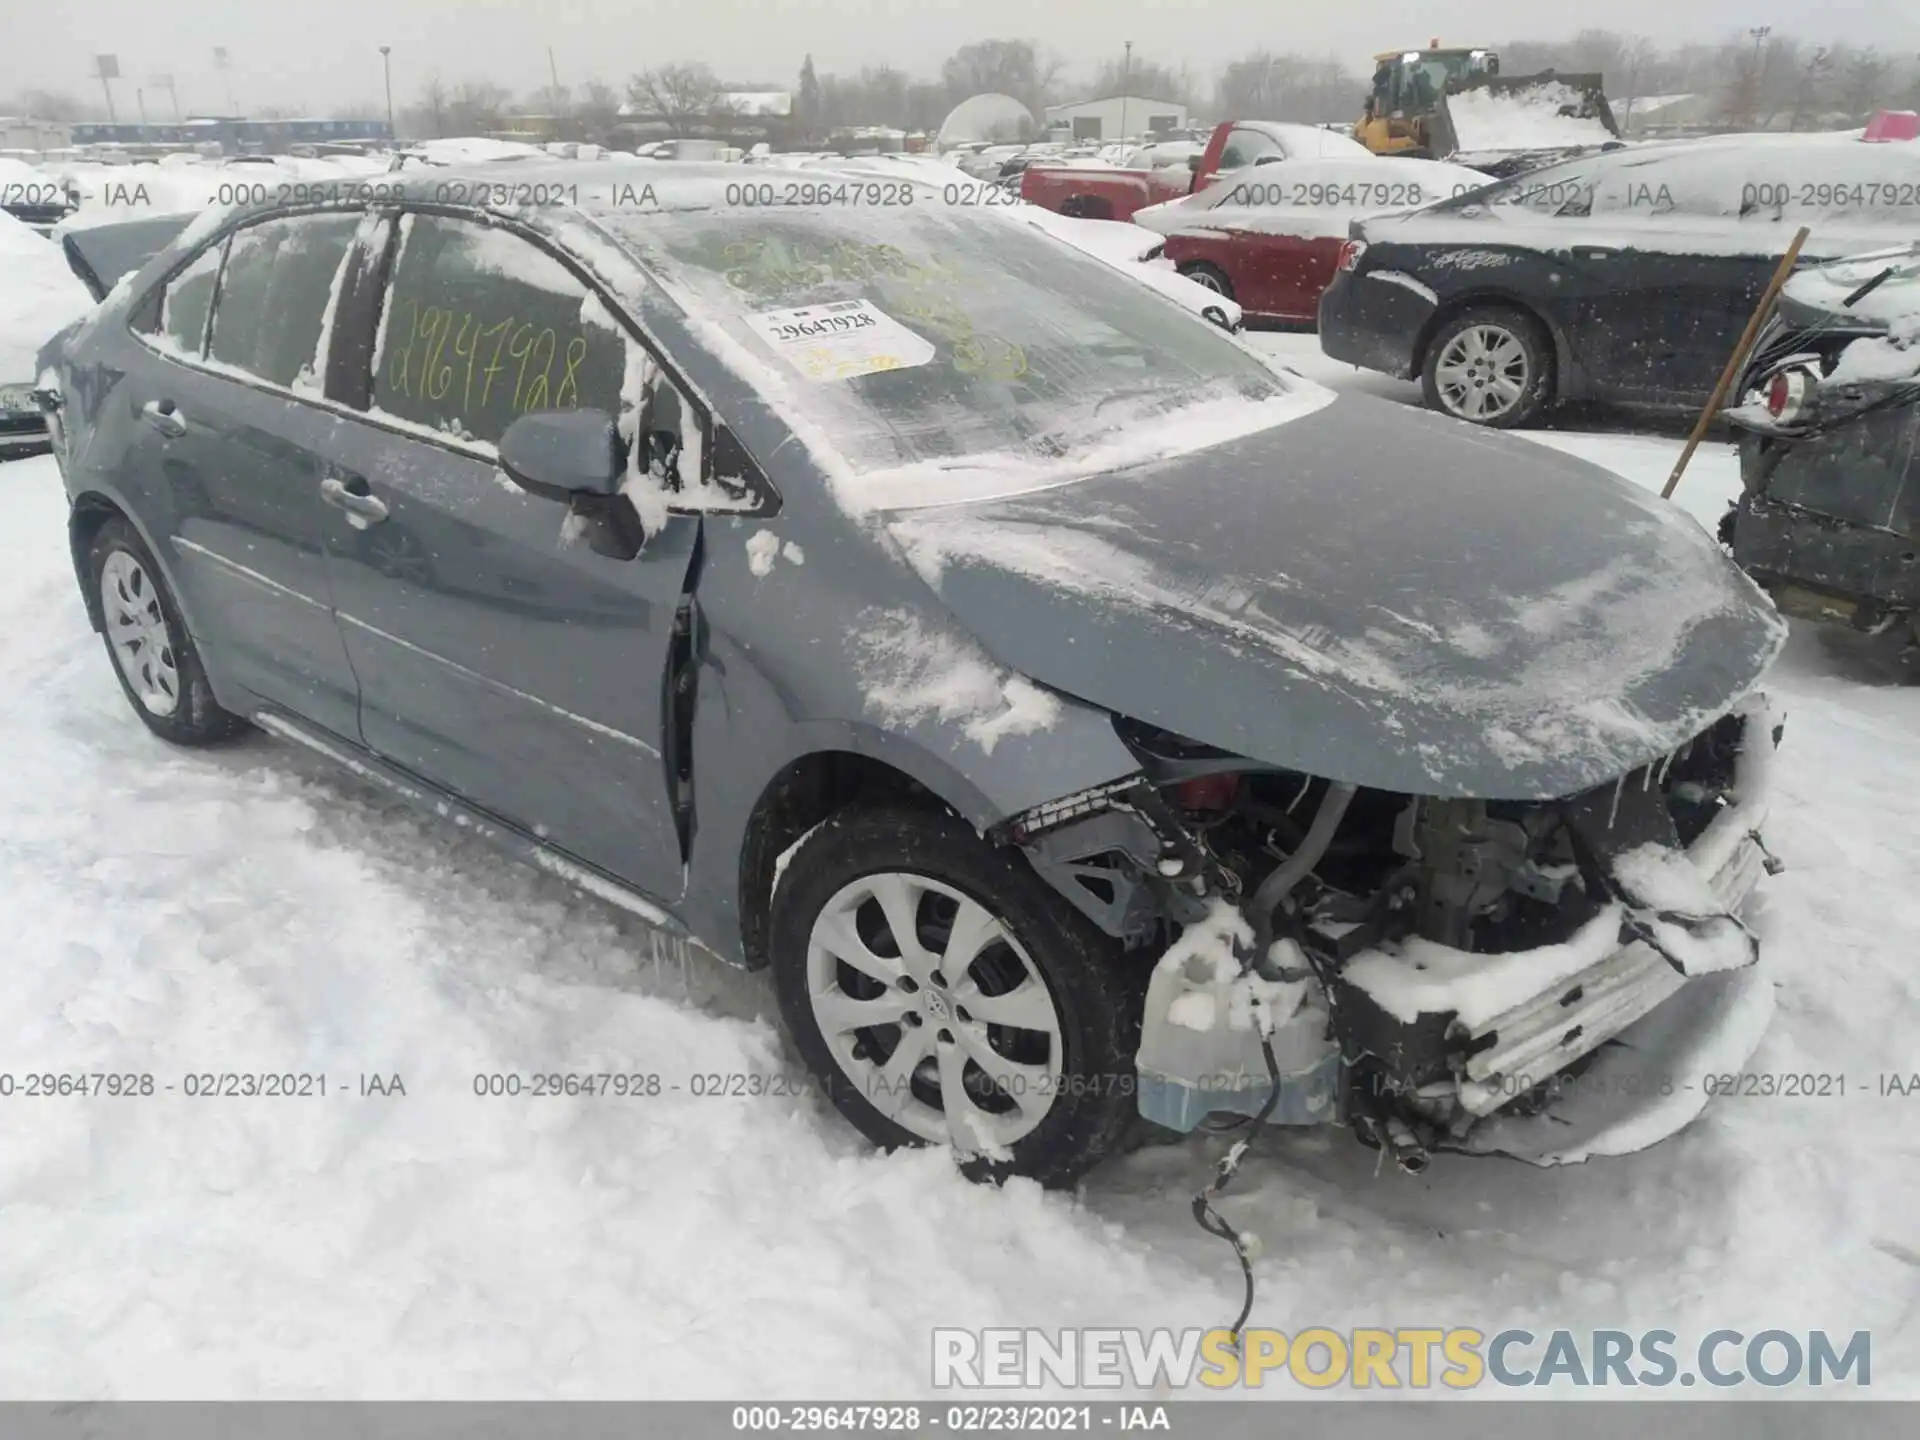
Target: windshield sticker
840,340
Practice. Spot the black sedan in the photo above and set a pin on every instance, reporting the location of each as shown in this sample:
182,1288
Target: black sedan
1623,277
1829,517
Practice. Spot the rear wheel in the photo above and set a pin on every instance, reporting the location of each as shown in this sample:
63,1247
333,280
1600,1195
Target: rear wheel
1492,366
153,656
942,994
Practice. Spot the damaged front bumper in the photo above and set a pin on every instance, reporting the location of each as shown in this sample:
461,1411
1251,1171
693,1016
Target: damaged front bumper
1563,1054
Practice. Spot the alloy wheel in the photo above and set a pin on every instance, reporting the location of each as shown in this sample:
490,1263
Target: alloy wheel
1483,372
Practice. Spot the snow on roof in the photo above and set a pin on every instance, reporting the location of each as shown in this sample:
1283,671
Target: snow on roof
1128,96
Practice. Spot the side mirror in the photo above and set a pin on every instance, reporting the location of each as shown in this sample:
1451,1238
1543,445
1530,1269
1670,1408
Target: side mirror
557,454
576,457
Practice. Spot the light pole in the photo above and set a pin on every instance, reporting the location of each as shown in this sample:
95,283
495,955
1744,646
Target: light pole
1760,34
1126,83
386,69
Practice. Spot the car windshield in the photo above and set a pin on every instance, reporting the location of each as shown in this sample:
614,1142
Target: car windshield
927,335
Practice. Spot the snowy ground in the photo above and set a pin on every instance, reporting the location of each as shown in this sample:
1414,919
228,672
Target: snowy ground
169,912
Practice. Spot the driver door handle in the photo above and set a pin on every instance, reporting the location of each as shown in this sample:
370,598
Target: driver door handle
164,417
362,509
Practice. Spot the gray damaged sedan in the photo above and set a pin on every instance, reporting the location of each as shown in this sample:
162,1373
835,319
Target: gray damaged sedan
1081,717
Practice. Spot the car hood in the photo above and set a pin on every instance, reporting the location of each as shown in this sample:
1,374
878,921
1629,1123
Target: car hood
1370,593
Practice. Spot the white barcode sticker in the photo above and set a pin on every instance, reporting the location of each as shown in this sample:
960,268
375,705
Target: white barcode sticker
841,340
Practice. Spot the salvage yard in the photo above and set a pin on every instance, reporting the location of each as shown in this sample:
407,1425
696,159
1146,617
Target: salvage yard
176,913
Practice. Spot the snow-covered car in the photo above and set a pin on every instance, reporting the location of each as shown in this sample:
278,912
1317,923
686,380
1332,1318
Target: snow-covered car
38,296
1138,254
1271,238
1627,276
1828,425
1082,718
32,195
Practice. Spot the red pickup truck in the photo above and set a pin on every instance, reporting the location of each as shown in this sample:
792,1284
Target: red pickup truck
1110,193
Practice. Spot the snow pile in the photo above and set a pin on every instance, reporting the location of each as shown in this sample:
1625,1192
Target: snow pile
1891,357
1491,121
1213,989
1690,925
764,548
473,150
910,675
1419,977
39,294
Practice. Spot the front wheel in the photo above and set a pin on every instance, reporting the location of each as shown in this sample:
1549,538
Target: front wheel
1491,366
1211,276
942,994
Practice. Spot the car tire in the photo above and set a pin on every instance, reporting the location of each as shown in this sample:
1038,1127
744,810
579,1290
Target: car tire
152,654
1491,365
1211,276
1064,1098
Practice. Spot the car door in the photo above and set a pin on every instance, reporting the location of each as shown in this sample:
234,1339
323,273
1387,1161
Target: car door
1668,276
496,659
233,439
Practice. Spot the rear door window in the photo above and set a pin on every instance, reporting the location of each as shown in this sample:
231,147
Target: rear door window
275,294
480,327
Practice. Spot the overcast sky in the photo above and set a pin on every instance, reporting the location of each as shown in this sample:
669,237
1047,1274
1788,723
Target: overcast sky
320,55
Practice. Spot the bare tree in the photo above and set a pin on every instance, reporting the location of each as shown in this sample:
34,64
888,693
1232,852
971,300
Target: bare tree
596,110
686,97
477,106
1146,78
1003,67
1867,74
48,105
1266,86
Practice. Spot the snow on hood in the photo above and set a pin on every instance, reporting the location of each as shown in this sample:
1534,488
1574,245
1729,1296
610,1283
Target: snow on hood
1826,287
1310,198
1882,358
1369,594
39,295
1490,121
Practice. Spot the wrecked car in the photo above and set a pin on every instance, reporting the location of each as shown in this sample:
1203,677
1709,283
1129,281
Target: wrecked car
1625,276
1081,717
1828,520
